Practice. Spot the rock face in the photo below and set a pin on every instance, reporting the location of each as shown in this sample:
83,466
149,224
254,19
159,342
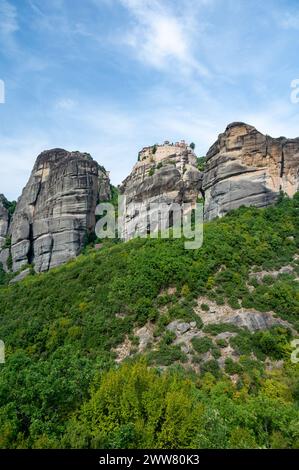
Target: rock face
251,319
163,174
245,167
56,210
4,222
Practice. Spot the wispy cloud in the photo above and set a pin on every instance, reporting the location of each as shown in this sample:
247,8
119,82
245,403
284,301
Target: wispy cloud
290,21
8,18
65,104
161,38
8,27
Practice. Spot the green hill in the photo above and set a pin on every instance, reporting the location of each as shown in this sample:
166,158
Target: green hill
67,330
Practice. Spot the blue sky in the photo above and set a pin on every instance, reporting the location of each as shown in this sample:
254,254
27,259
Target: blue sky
110,76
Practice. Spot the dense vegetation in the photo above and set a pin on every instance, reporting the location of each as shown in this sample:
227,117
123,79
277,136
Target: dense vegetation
61,387
9,205
201,163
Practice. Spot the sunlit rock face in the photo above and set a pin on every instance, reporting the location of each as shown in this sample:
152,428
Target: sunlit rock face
163,174
245,167
4,222
56,210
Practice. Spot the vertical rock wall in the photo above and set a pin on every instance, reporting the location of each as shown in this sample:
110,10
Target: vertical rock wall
56,210
245,167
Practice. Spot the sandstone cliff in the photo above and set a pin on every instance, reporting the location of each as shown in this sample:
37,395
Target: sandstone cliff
245,167
4,221
56,210
163,174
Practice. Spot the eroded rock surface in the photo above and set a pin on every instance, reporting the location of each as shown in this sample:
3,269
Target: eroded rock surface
56,210
4,223
163,174
243,318
245,167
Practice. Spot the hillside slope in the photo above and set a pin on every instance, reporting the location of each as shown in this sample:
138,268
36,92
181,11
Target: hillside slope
151,302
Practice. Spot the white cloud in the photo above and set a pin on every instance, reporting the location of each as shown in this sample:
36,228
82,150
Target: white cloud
161,38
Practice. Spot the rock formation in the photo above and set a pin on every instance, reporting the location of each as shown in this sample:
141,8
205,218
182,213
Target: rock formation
4,221
245,167
4,227
163,174
56,211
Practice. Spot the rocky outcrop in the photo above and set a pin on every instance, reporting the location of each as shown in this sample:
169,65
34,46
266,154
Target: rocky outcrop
104,185
163,174
56,210
4,221
251,319
245,167
4,259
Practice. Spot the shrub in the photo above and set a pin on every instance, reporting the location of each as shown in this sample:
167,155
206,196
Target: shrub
232,367
166,355
202,345
184,311
222,343
169,337
212,367
201,163
144,311
205,307
217,328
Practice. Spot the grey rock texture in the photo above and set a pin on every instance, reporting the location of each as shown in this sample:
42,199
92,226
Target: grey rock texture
4,223
243,318
19,277
56,210
245,167
104,185
4,257
256,321
163,174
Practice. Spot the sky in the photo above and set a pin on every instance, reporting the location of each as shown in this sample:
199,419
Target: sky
108,77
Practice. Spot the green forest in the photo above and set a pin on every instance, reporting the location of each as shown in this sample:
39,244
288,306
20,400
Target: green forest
61,386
